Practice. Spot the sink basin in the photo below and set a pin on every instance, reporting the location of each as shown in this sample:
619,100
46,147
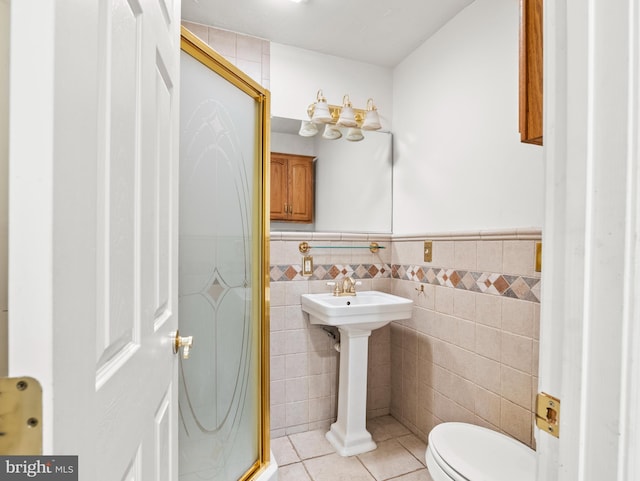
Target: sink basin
367,310
355,316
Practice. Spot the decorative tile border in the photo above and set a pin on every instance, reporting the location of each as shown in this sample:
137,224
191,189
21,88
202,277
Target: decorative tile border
517,287
329,272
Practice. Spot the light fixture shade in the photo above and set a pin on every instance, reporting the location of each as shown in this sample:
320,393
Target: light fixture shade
354,135
308,129
371,119
347,116
331,132
321,113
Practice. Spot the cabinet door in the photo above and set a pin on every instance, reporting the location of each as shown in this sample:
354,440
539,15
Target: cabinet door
291,187
279,187
301,189
531,71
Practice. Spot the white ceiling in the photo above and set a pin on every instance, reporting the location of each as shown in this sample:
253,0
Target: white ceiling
380,32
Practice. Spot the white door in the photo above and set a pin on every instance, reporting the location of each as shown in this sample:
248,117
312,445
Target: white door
93,229
590,323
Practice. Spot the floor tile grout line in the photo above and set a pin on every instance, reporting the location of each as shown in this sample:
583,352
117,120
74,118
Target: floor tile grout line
400,475
424,463
367,469
294,448
410,472
304,466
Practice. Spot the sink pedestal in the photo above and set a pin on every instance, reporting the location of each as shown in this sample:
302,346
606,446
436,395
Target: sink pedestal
349,435
355,316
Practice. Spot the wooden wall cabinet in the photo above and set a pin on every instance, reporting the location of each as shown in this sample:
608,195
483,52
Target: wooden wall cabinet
531,71
291,188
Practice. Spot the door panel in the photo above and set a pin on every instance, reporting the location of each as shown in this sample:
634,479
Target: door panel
301,171
279,188
118,323
136,220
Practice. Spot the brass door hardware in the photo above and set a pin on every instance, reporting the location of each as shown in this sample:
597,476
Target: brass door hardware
548,414
20,416
186,343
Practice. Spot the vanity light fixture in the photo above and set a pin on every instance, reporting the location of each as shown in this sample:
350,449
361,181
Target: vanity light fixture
356,120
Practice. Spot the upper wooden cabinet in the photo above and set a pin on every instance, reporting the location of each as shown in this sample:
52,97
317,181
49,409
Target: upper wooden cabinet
291,188
531,71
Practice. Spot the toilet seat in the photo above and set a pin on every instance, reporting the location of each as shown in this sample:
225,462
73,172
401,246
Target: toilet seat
439,469
465,452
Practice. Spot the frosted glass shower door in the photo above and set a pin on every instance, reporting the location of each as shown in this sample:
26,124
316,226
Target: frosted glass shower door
219,282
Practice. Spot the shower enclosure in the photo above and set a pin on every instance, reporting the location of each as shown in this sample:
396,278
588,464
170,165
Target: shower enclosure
223,270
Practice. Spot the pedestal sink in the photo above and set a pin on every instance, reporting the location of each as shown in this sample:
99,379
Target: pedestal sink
355,316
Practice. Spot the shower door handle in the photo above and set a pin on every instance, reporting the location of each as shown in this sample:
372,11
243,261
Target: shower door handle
184,342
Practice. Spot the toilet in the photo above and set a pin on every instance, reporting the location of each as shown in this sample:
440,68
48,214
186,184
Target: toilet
464,452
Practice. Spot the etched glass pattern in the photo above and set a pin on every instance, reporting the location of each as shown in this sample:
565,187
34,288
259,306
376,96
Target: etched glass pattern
218,392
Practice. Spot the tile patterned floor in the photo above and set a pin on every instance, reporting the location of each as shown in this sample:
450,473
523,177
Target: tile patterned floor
308,456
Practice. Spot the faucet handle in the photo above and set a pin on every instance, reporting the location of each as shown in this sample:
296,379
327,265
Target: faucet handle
336,289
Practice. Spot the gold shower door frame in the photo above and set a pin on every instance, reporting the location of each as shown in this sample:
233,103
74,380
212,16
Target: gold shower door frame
197,49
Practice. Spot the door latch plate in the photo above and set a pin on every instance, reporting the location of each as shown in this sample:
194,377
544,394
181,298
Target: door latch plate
548,414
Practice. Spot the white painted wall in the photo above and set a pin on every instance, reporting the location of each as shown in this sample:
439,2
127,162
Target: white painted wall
4,186
292,144
459,163
297,75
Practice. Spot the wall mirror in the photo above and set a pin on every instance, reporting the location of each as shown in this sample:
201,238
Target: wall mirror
353,180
